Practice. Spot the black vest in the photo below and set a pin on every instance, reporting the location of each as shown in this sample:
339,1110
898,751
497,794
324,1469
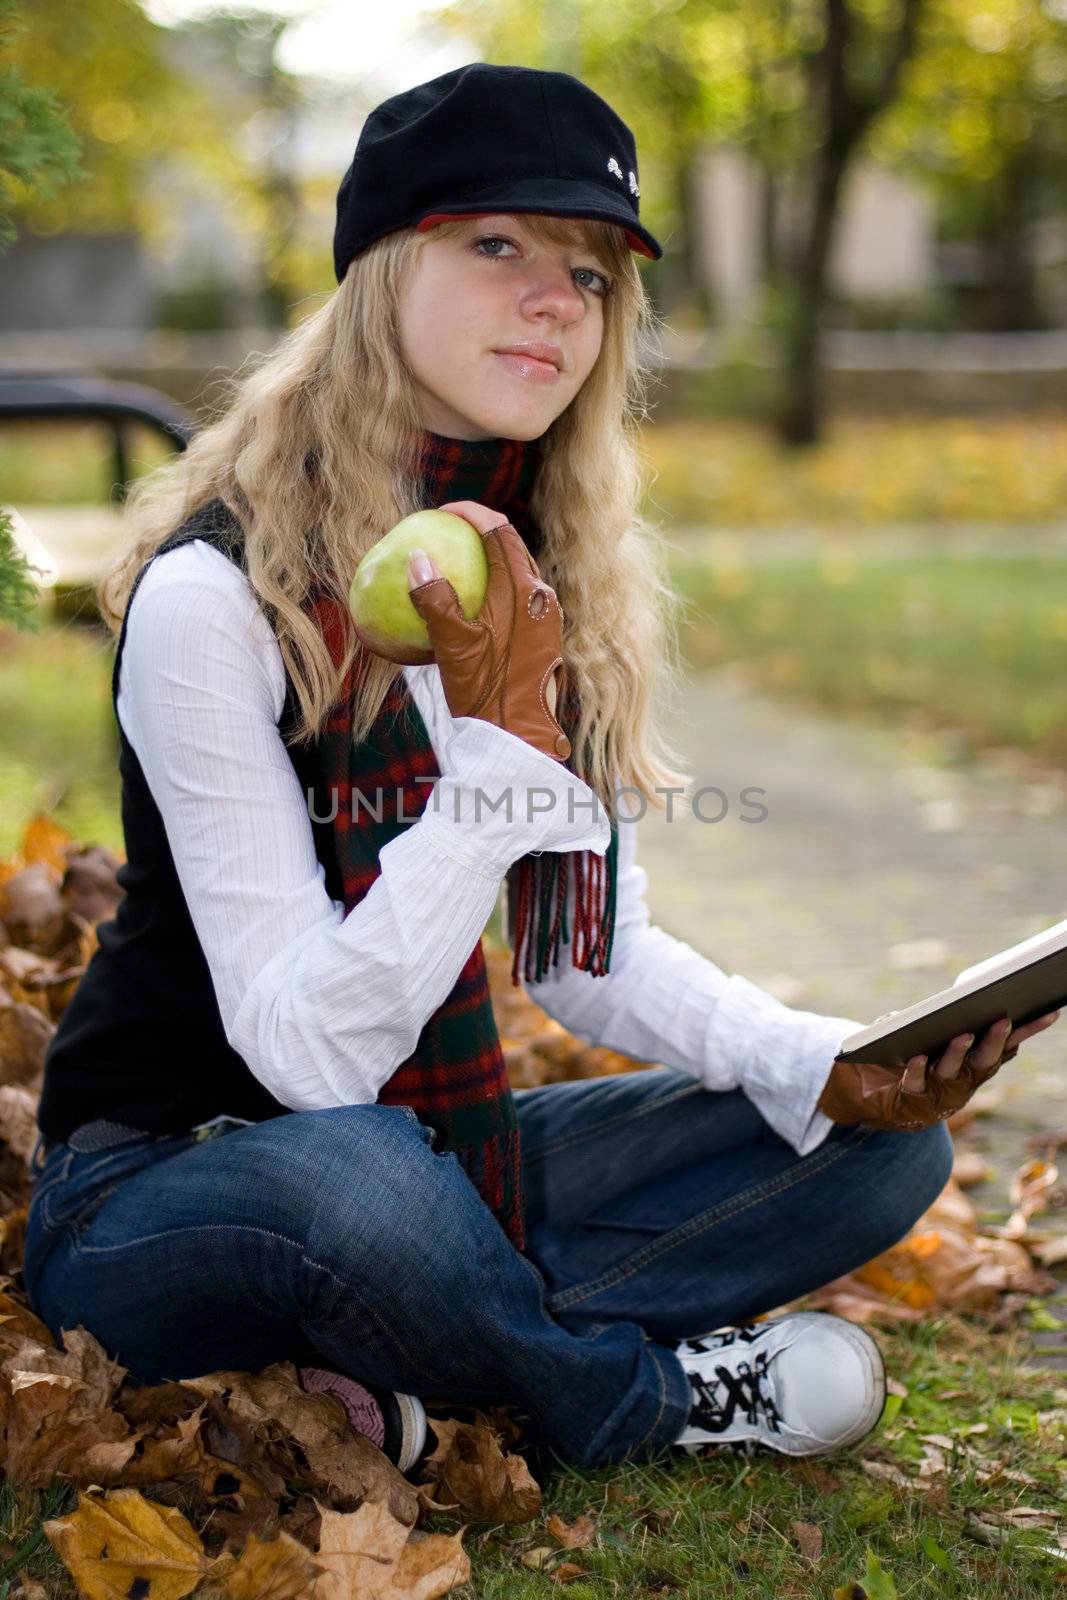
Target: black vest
141,1041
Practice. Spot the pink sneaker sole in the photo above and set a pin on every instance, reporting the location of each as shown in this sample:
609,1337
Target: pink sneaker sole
395,1423
364,1413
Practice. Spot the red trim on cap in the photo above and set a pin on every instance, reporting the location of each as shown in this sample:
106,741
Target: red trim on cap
450,216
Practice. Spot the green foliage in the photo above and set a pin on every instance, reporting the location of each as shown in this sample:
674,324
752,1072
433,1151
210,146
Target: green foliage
38,150
159,111
59,751
18,593
104,62
38,153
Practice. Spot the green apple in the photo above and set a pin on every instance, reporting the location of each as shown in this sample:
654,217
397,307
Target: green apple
379,599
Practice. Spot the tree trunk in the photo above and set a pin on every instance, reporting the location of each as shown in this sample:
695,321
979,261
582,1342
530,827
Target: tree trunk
845,112
802,399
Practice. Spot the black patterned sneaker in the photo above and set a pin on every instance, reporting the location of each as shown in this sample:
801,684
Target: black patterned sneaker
804,1384
396,1423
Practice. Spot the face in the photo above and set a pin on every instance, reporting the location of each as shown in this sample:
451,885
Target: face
469,298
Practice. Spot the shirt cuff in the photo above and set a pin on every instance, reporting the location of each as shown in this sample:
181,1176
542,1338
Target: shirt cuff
756,1030
499,798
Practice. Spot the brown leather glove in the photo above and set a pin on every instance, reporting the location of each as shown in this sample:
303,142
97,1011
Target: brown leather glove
888,1097
500,666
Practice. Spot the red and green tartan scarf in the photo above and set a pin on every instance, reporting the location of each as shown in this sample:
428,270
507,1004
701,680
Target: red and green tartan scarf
456,1079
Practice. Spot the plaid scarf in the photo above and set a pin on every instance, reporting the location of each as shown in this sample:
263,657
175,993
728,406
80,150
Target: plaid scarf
456,1079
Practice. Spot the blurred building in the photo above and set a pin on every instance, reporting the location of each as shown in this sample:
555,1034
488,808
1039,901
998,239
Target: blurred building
885,248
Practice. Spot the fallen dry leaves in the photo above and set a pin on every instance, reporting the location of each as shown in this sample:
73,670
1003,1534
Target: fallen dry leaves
470,1470
293,1504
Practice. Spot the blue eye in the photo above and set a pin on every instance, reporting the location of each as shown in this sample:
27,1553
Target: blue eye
493,238
605,281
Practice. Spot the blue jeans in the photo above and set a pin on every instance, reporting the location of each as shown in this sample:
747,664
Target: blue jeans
656,1210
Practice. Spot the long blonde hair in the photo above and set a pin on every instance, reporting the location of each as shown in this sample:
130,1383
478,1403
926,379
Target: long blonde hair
336,394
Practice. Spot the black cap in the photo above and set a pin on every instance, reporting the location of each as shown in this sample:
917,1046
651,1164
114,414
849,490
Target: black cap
484,139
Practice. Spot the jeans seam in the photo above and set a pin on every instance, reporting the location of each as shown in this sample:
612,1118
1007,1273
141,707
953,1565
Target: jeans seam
101,1168
563,1141
703,1222
42,1186
81,1248
662,1376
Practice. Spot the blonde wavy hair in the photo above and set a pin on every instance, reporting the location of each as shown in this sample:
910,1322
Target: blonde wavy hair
336,394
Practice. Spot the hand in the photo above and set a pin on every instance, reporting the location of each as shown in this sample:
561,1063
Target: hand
500,666
884,1097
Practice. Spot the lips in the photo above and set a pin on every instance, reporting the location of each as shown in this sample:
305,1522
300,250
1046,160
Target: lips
528,367
536,350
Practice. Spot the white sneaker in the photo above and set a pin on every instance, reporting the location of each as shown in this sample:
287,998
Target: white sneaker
804,1384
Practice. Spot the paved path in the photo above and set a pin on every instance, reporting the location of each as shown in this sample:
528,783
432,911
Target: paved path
878,873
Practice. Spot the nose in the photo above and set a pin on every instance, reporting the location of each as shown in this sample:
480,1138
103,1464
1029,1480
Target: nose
551,288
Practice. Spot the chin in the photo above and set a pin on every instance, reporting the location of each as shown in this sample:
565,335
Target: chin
514,422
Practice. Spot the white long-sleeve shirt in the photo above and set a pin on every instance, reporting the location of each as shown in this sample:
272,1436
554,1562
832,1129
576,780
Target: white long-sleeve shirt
323,1006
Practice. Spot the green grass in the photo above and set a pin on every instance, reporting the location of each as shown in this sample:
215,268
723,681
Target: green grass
705,1529
68,463
59,752
979,646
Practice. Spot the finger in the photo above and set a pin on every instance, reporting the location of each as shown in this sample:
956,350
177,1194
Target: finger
481,517
914,1078
422,568
950,1066
1026,1030
438,605
953,1056
989,1051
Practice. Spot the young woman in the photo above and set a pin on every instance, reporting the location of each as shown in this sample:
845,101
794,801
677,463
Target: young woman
276,1122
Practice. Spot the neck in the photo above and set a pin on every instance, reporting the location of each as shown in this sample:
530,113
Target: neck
498,473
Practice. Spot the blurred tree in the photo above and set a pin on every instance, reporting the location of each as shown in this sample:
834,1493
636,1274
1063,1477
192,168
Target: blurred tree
147,100
854,52
983,121
106,63
38,150
38,153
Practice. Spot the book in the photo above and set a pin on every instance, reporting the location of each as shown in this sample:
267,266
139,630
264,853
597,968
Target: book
1024,982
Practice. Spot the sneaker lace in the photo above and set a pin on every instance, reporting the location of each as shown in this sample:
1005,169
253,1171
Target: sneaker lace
717,1400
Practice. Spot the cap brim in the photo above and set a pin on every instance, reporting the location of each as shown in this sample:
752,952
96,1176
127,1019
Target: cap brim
551,198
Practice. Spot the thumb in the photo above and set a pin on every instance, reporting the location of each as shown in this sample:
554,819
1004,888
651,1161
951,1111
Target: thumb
428,589
433,597
422,568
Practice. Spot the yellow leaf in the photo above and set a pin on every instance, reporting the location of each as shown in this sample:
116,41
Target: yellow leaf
121,1544
574,1537
43,840
540,1557
269,1569
430,1565
357,1551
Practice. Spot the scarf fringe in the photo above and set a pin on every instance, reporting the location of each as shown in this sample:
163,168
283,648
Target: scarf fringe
542,893
492,1166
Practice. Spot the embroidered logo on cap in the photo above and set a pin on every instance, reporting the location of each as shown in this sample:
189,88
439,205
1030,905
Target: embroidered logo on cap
613,166
633,184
